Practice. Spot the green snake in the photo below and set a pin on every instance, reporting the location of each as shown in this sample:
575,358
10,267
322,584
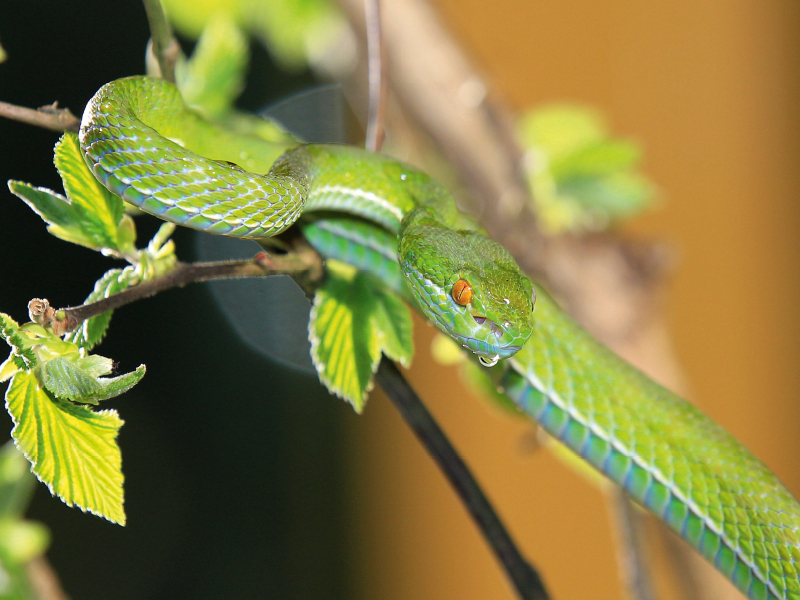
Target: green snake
399,224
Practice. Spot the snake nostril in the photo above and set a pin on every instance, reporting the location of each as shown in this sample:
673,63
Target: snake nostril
479,320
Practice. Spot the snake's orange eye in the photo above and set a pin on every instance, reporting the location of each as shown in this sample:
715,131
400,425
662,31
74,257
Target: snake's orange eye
462,292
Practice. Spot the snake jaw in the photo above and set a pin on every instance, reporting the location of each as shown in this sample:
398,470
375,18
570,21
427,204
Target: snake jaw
496,329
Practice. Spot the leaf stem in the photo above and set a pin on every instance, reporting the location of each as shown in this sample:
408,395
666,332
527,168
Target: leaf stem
49,117
524,577
164,46
303,264
376,60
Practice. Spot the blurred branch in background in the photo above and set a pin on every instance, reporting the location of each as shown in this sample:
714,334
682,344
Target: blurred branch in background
49,117
377,76
163,46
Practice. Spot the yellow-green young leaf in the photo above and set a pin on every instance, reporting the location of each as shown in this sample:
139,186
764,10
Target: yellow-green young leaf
8,368
99,209
352,322
392,321
73,450
562,129
345,348
3,54
75,380
617,195
295,31
601,158
22,355
22,540
214,75
580,176
63,220
17,483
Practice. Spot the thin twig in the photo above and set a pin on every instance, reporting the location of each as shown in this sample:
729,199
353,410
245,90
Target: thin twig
377,76
164,46
632,549
304,265
44,580
524,577
50,116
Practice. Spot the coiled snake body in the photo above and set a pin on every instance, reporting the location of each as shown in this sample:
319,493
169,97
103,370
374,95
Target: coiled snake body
145,146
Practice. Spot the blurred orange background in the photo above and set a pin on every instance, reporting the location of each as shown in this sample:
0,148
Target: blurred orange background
711,90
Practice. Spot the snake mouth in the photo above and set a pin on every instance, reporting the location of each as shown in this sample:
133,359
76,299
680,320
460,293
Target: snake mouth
487,349
496,329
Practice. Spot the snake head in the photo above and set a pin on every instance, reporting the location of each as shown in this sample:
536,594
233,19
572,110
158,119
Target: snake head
469,287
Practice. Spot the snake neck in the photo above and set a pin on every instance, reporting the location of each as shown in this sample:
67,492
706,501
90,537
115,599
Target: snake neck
371,186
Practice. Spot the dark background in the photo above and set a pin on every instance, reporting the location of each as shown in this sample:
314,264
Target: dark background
233,464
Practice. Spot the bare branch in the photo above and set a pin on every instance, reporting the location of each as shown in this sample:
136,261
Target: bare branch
49,117
526,580
44,580
163,45
304,265
377,76
633,555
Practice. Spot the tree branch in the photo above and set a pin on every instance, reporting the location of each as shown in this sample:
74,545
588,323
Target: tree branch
304,265
526,580
633,555
44,580
377,76
163,45
49,117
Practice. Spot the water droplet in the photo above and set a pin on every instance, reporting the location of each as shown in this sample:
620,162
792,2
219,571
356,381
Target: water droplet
506,300
403,177
489,362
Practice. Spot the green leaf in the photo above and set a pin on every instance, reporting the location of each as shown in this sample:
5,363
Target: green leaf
63,220
295,31
562,129
602,158
615,196
96,365
3,54
99,209
90,215
73,450
91,331
581,178
16,482
214,75
22,354
352,322
22,540
344,348
75,380
8,368
392,322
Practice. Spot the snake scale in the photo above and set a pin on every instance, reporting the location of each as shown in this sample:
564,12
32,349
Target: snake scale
396,222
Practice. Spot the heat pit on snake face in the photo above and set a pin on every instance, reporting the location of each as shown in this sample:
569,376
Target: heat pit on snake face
496,329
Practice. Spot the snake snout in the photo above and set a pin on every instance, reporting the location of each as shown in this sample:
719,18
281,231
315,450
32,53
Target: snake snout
496,329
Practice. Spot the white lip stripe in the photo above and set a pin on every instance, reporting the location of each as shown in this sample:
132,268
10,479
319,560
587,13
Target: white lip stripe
385,204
